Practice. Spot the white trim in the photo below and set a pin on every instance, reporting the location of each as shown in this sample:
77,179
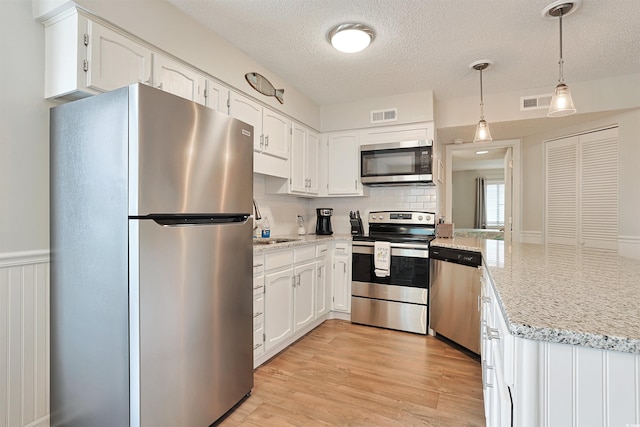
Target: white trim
340,315
12,259
629,246
531,237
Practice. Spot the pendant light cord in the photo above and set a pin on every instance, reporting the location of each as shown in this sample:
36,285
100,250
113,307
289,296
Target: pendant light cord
561,62
481,98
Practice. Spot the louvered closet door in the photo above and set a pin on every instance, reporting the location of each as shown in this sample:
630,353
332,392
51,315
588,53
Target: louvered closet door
582,190
561,218
599,195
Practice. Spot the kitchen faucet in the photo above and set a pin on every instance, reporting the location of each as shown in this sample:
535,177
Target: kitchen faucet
257,215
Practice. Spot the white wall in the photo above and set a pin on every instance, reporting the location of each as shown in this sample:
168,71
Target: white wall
608,94
412,108
629,178
24,131
464,194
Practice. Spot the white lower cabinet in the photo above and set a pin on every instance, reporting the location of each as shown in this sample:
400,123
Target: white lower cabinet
304,299
297,294
497,360
323,281
278,306
341,278
258,316
540,383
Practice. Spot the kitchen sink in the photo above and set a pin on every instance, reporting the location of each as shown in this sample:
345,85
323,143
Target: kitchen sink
273,240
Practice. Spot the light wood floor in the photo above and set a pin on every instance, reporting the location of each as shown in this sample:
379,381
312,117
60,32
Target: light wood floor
342,374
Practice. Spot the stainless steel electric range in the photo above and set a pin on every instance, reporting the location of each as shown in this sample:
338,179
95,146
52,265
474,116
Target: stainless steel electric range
398,298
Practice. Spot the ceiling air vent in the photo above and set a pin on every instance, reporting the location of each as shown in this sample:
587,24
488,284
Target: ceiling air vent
535,102
382,116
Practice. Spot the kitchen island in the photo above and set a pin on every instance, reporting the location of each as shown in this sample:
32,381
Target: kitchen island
569,353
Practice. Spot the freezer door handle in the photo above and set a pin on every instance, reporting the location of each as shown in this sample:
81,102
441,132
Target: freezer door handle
178,220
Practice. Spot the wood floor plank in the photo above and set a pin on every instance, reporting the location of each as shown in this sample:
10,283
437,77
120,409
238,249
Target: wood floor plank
341,374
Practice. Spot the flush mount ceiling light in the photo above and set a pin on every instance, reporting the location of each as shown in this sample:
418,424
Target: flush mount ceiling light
351,37
482,152
561,102
482,131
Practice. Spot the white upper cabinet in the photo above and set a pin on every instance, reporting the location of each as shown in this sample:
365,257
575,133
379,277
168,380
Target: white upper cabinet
271,135
276,130
242,108
83,58
343,164
216,96
304,161
178,79
114,60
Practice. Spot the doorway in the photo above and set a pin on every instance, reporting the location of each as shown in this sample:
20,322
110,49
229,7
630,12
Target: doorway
498,163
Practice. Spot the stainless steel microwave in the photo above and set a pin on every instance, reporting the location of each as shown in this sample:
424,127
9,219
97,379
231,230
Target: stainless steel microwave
406,162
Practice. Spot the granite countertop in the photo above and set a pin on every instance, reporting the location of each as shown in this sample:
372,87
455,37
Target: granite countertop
563,294
297,241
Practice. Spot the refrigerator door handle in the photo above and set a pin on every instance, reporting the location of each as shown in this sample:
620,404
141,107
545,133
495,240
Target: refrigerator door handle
177,220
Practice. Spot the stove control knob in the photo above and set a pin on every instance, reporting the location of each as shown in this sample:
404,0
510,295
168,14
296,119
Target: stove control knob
419,217
381,216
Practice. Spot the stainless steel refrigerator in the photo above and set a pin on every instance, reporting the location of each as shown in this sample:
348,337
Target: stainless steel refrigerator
151,278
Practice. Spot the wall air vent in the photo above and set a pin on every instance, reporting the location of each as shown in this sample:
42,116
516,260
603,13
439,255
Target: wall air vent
382,116
535,102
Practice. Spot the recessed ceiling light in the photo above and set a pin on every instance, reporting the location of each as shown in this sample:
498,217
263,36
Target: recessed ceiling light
351,37
482,152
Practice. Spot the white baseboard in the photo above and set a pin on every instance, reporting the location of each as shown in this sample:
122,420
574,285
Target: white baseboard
629,246
340,315
531,237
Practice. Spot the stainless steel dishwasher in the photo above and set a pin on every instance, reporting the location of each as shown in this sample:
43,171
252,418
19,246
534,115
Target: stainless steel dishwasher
454,292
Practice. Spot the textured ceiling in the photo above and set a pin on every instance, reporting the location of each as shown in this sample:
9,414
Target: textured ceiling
426,44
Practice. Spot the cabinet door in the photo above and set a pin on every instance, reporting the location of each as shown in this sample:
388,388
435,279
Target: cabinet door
115,61
323,288
277,134
304,304
175,78
216,96
244,109
312,156
278,307
343,163
297,180
341,278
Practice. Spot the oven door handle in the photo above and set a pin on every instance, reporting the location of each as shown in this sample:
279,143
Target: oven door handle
410,252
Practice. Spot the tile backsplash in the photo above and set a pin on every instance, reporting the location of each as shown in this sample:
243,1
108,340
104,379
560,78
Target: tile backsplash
281,210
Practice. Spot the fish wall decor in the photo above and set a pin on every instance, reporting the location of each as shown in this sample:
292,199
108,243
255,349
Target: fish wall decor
264,86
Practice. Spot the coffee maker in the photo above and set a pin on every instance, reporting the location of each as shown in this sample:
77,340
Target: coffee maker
323,222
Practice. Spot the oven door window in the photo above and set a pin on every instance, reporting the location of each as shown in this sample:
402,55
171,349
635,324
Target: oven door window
404,271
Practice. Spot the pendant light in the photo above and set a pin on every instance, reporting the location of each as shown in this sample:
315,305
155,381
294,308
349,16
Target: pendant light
351,37
482,131
561,102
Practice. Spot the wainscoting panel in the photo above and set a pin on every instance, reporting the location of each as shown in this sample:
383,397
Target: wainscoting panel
24,339
576,386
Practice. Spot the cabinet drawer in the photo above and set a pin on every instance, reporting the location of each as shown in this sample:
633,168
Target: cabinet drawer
305,253
278,260
258,311
258,285
322,250
342,248
258,264
258,344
